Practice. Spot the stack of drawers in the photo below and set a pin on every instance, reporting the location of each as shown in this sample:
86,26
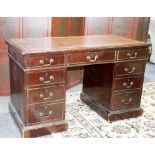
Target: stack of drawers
128,78
45,86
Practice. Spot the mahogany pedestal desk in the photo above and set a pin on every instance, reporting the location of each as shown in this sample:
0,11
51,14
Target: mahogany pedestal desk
112,83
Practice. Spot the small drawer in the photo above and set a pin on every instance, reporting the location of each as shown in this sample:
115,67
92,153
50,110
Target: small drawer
131,54
126,100
128,83
45,77
90,57
45,113
44,60
46,94
129,68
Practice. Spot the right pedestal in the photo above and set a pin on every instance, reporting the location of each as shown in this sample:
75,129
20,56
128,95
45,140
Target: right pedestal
114,90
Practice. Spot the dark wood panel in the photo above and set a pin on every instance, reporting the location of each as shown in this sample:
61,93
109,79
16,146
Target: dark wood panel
67,26
97,25
60,26
9,28
131,27
36,26
76,26
4,75
141,27
122,26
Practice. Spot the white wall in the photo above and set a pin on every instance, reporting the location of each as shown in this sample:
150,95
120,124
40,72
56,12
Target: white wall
152,34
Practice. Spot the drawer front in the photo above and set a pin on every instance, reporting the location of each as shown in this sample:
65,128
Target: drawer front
129,68
45,113
126,100
89,57
46,94
132,54
45,60
46,77
128,83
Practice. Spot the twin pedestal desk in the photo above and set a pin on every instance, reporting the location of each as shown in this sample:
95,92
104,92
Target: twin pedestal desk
112,83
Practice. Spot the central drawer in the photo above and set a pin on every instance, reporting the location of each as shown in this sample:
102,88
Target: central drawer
46,94
45,113
90,57
45,77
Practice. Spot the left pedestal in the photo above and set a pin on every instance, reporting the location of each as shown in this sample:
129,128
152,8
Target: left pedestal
38,97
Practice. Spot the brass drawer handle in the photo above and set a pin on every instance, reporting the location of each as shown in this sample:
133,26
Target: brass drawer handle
46,98
130,70
90,58
127,101
130,55
128,86
48,81
50,112
41,114
42,62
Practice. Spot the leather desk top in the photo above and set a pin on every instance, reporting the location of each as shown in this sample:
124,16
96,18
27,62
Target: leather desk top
72,43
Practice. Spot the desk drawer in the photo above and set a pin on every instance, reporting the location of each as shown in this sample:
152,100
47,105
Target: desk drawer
45,113
46,94
45,77
131,54
44,60
126,100
90,57
129,68
128,83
